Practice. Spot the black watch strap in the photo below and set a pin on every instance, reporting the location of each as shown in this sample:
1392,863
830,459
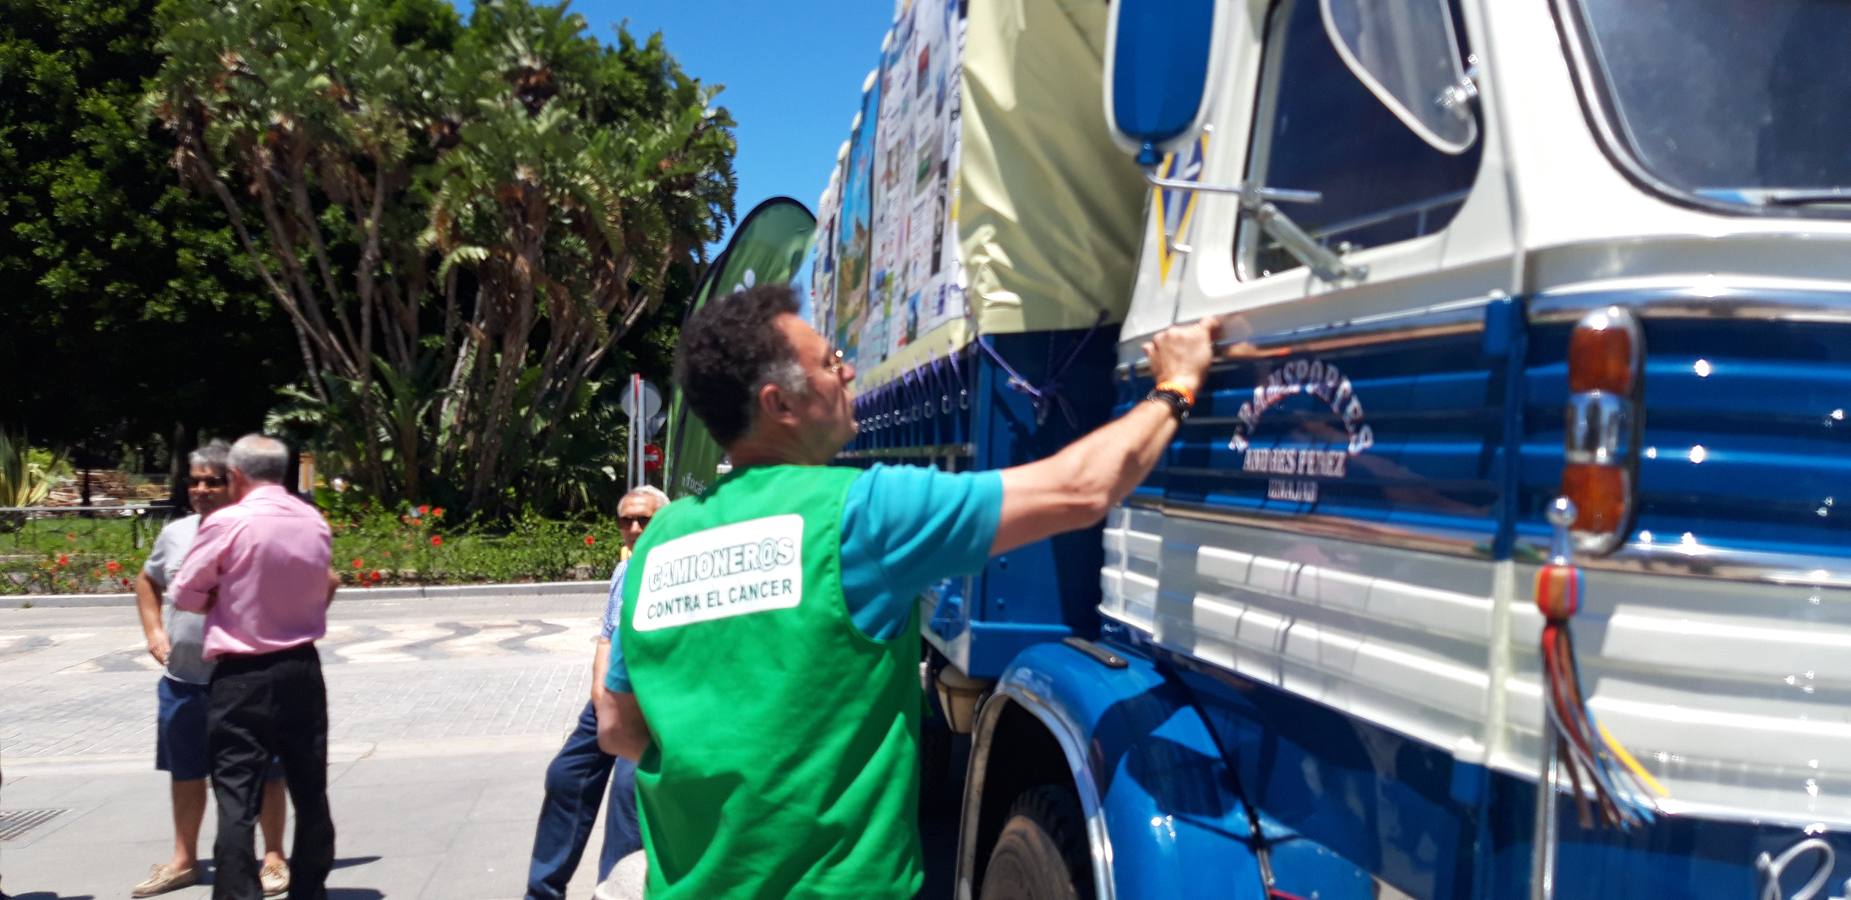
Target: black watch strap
1178,404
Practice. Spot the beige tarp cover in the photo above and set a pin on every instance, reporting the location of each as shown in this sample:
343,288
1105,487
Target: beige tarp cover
1049,210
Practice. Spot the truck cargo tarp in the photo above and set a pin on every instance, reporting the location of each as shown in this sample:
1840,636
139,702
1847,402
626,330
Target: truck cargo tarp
979,190
1050,208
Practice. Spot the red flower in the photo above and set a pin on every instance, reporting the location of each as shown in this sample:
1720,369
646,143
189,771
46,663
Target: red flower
436,540
64,559
359,563
424,510
589,540
113,566
376,576
438,512
125,581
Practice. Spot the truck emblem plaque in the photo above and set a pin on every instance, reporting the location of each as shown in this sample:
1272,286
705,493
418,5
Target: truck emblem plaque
1301,466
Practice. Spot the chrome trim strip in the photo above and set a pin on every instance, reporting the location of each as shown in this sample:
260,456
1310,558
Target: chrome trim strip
1464,545
1435,321
1698,561
1681,560
1733,302
1072,741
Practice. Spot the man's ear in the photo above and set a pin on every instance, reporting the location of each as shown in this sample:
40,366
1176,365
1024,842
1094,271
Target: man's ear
774,405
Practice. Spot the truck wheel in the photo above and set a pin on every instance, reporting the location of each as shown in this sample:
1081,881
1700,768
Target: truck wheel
1042,852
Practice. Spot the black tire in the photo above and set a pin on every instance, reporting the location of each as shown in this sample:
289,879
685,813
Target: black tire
1042,851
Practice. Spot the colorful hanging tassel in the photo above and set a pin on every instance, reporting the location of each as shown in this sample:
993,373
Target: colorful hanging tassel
1594,761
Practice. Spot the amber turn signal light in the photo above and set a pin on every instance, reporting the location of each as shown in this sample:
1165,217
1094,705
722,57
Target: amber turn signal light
1600,494
1602,352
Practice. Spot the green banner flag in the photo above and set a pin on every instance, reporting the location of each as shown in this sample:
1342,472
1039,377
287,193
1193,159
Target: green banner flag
768,247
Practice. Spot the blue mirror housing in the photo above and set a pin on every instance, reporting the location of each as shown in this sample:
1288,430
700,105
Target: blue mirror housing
1159,55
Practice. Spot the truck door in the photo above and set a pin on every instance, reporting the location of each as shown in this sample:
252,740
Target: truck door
1323,548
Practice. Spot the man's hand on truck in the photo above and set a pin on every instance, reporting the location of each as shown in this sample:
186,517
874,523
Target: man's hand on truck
1077,486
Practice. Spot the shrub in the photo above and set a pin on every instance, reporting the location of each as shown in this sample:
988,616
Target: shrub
25,476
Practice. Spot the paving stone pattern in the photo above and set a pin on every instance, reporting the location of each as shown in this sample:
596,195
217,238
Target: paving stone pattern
443,716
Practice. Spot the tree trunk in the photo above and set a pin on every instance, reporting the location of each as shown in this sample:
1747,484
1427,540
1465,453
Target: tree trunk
177,469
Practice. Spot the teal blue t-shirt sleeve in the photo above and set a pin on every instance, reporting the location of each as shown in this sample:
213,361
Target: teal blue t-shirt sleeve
617,676
905,528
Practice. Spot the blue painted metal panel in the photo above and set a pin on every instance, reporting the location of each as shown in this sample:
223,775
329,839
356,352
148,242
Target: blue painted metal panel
1435,412
1050,586
1173,813
1371,800
1746,442
1046,590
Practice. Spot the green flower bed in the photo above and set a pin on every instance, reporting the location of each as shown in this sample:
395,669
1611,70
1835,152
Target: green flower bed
372,548
74,556
418,546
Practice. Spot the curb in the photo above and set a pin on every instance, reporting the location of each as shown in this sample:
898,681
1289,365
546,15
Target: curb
414,592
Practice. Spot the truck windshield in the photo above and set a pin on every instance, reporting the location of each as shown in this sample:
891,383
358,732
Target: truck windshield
1734,102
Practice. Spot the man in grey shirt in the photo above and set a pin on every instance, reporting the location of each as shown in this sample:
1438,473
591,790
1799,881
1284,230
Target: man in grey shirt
177,643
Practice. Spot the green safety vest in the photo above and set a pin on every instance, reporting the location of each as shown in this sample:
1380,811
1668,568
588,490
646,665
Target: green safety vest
786,752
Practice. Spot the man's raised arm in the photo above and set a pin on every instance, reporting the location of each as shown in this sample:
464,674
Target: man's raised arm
1077,486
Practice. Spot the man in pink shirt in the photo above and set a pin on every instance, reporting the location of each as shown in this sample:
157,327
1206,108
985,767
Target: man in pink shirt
259,571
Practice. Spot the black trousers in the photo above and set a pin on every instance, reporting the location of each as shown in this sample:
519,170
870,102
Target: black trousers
273,704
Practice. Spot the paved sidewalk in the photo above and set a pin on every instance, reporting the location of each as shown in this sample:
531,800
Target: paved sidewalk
444,713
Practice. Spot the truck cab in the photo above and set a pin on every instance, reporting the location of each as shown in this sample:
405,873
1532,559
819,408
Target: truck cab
1468,257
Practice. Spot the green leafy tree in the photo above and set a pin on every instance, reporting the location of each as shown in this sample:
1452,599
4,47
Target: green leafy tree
461,239
118,282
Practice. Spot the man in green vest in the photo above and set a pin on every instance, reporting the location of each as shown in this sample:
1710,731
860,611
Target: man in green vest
766,669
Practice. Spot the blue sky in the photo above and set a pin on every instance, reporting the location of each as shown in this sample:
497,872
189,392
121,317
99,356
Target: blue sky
792,73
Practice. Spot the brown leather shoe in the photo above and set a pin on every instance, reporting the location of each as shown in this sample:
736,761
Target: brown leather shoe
163,878
274,878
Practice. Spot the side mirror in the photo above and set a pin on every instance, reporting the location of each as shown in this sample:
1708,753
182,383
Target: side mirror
1159,57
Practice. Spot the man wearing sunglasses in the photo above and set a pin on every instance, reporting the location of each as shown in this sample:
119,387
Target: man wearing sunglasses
766,667
576,777
177,642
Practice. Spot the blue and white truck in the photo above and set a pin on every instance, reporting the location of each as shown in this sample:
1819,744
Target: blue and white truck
1536,328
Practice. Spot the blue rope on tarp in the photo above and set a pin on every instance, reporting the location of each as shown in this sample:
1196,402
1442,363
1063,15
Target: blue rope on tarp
908,398
1045,395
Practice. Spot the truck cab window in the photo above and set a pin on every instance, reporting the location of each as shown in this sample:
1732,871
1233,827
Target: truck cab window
1318,128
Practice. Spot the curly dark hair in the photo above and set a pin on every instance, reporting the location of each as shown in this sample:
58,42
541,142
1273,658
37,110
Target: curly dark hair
728,349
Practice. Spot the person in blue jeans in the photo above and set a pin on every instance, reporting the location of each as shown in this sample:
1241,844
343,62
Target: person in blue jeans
576,778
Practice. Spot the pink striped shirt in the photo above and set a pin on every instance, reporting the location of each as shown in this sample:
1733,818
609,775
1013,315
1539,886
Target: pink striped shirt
267,556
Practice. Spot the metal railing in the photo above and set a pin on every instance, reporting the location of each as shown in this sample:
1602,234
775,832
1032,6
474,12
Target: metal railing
16,521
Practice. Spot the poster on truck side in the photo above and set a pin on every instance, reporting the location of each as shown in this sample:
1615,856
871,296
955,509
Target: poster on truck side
883,331
855,234
934,135
965,207
893,253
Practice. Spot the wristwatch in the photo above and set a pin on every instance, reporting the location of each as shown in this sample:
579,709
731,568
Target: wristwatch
1177,397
